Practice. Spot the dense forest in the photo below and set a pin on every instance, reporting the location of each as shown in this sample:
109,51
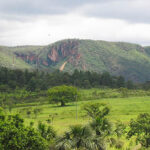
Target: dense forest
31,81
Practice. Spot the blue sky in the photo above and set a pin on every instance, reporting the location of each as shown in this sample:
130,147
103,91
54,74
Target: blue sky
41,22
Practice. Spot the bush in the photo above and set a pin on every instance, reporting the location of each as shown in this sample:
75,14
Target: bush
14,135
119,144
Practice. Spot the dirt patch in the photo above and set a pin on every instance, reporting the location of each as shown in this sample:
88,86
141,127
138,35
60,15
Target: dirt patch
63,66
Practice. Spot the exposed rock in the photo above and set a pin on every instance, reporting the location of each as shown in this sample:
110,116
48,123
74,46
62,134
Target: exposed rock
66,50
53,55
63,66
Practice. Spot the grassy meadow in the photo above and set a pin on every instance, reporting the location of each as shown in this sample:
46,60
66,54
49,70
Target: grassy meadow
121,108
124,105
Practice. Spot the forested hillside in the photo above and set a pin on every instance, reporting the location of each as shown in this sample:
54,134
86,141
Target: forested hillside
129,60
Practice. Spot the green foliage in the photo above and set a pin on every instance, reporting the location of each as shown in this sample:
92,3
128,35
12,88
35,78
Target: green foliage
121,108
147,50
47,133
120,82
14,135
63,94
37,111
102,126
32,85
6,60
106,93
124,92
119,144
96,109
141,129
36,80
80,137
120,129
130,85
29,113
90,137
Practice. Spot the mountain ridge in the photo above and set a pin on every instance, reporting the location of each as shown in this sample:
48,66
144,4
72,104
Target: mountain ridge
119,58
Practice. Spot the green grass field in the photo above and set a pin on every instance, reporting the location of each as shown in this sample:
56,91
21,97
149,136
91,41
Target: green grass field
122,109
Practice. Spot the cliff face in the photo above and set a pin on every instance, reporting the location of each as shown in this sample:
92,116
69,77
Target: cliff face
66,50
54,53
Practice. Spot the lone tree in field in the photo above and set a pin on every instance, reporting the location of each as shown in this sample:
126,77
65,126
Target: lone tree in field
63,94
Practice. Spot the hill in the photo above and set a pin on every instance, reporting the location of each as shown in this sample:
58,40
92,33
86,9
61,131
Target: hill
129,60
8,59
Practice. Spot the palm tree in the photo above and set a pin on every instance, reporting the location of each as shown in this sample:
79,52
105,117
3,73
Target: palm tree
91,137
79,137
101,126
64,143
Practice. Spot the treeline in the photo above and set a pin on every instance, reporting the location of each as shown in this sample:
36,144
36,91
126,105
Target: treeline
31,81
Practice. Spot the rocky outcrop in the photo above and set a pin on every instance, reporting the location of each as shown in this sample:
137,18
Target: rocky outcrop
28,58
63,50
53,55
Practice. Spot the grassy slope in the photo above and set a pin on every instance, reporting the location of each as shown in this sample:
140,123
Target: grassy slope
27,49
121,109
6,60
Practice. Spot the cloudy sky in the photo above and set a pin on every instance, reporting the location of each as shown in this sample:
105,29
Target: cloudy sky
41,22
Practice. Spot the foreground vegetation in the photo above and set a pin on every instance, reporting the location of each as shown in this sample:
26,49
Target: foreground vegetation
122,109
61,118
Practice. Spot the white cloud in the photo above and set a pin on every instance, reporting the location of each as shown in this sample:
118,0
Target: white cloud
24,22
45,29
135,11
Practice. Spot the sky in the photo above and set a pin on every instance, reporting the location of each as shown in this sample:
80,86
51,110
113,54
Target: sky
41,22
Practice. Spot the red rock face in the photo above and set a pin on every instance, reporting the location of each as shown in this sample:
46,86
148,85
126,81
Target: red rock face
53,56
29,58
61,51
25,57
67,49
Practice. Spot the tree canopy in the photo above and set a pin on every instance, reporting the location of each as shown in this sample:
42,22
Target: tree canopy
42,80
63,94
14,135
